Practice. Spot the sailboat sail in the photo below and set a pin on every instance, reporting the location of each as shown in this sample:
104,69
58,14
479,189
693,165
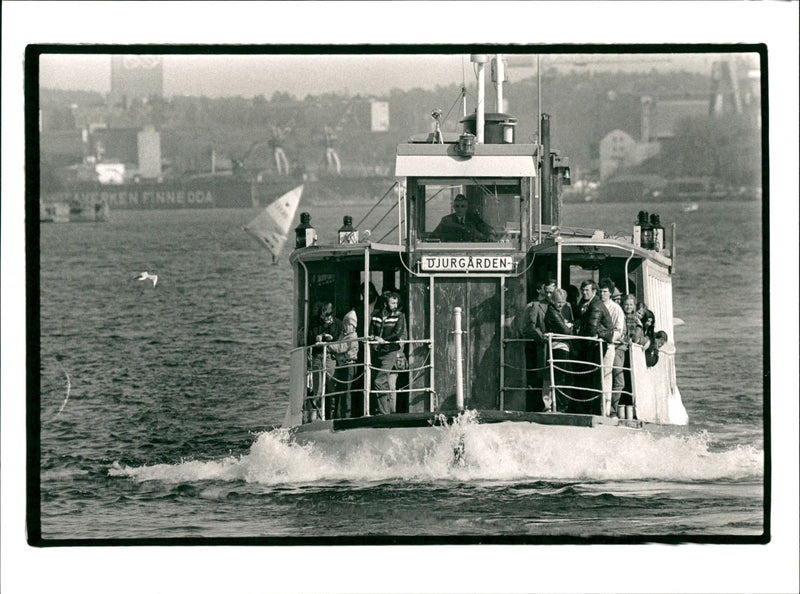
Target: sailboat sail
271,227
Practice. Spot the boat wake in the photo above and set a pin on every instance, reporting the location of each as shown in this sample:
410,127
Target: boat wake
496,452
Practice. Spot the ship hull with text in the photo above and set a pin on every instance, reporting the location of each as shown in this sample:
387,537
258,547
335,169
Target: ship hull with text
467,352
222,192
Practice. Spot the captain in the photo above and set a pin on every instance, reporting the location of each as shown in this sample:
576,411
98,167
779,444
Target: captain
463,225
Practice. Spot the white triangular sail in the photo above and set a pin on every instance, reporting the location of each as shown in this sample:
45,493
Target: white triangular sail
271,227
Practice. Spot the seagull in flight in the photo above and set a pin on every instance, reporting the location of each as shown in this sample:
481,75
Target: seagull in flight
147,276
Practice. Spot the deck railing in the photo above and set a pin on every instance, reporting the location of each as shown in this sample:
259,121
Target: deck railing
561,378
328,379
570,380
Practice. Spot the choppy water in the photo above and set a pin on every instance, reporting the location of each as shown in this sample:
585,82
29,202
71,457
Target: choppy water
171,390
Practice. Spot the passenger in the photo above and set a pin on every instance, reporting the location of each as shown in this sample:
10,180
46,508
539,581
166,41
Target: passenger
617,297
651,354
648,320
613,362
633,323
613,373
357,405
373,298
558,320
633,335
534,329
324,329
595,322
462,225
346,362
573,297
583,305
388,326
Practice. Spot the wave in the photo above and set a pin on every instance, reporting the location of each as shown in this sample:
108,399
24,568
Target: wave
499,452
62,473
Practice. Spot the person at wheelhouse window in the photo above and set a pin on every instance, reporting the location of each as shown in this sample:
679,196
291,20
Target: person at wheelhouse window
463,225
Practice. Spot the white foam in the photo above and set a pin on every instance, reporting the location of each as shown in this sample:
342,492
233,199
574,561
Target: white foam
498,452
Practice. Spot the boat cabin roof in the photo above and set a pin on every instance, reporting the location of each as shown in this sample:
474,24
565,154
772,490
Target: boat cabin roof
615,248
443,160
335,252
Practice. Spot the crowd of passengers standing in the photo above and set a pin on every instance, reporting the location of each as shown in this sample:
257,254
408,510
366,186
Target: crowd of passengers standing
588,377
336,390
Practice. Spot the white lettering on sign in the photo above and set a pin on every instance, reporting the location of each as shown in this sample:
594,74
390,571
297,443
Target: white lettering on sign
467,263
122,198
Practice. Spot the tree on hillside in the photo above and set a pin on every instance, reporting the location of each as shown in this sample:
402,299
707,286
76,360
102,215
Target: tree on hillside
726,148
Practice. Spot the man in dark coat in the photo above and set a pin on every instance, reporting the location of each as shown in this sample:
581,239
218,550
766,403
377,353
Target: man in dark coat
533,328
595,322
462,225
387,327
325,328
558,320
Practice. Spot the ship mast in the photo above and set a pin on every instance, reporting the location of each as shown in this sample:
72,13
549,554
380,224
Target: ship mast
481,60
500,75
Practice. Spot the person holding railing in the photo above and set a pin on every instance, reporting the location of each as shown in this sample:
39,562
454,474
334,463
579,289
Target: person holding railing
346,361
370,293
558,320
595,322
660,338
387,327
324,329
613,378
622,364
533,328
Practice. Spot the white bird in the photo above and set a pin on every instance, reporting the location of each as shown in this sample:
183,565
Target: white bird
147,276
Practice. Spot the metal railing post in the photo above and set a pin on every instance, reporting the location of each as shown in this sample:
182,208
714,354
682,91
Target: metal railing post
431,350
602,379
502,342
459,364
367,375
324,383
552,375
367,323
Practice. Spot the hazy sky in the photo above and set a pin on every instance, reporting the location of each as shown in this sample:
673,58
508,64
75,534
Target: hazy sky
249,75
301,75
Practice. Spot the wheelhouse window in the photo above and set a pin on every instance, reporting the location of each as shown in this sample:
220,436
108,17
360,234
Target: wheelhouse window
477,210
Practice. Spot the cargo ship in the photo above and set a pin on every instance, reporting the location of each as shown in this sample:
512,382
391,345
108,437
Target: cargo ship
124,169
463,298
220,192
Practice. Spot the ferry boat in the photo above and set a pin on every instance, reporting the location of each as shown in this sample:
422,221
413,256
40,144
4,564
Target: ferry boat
464,298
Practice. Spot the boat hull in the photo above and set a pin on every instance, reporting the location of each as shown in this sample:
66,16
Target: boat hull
222,192
306,431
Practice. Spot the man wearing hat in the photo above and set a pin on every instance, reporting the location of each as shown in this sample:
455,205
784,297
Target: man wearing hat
463,225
